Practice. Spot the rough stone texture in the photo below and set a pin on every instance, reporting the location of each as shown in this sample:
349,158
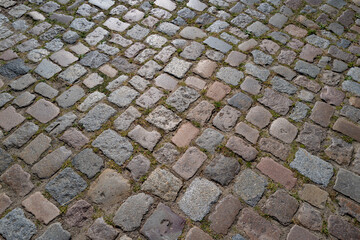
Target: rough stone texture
18,180
79,213
346,182
275,101
222,169
16,226
312,167
348,128
51,163
250,186
114,146
138,166
88,162
226,118
42,208
65,186
189,162
55,231
312,136
198,198
163,118
243,149
281,206
256,226
283,130
154,227
277,172
21,135
342,229
131,212
109,188
101,230
145,138
275,147
224,214
163,184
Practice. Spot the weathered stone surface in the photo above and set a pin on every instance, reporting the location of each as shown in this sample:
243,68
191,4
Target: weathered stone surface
309,217
131,212
65,186
16,226
222,169
257,227
349,207
189,163
70,96
348,184
154,227
78,213
18,180
342,229
243,149
340,151
21,135
109,188
297,232
9,118
196,233
198,198
138,166
283,130
277,172
182,98
163,118
226,118
281,206
209,139
224,214
312,167
167,154
56,232
275,147
145,138
51,163
348,128
163,184
114,146
88,162
42,208
250,186
44,111
5,202
311,136
276,101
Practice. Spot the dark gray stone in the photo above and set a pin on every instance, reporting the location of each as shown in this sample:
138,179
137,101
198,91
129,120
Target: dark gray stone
241,101
65,186
96,117
5,160
88,162
222,169
94,59
15,226
55,232
348,183
14,68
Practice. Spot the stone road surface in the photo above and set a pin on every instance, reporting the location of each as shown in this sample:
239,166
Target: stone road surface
179,119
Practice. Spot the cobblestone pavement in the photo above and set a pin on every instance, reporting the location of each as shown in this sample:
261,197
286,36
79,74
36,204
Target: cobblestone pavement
180,119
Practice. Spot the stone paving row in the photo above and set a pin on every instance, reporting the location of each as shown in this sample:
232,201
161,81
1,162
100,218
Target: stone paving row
179,119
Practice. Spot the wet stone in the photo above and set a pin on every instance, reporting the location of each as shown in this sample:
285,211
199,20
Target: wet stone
18,180
249,186
222,169
198,198
312,167
16,226
114,146
163,184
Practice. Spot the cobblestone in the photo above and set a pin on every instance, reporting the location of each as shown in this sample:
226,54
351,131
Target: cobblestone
164,108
